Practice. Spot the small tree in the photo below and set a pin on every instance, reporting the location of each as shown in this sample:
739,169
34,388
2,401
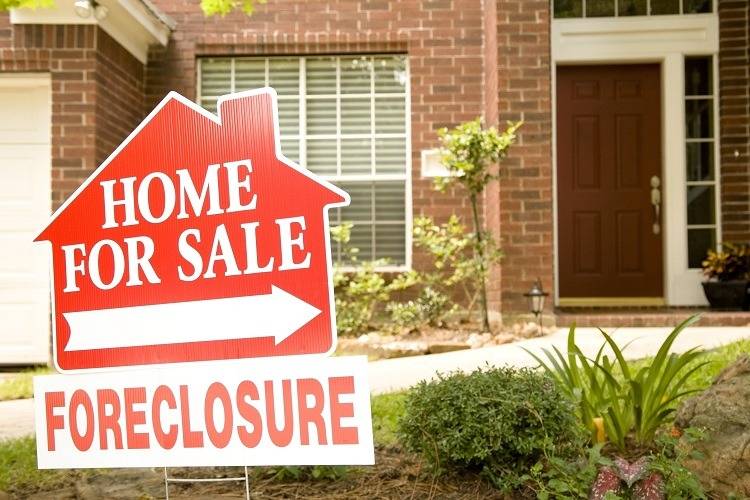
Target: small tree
209,7
471,153
224,7
25,4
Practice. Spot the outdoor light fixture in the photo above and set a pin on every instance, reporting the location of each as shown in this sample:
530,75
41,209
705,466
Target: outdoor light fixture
85,8
536,297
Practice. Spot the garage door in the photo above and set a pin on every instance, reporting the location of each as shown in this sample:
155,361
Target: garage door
24,210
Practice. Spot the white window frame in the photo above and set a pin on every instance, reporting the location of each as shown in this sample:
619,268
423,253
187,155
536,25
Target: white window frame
302,136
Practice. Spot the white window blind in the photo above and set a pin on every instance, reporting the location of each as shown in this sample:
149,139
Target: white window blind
344,118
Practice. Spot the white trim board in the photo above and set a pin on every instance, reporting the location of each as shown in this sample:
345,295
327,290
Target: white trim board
659,39
130,22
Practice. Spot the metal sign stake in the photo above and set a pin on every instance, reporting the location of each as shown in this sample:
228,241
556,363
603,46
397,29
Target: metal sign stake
168,480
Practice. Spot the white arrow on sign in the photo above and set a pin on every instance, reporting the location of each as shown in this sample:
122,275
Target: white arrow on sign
278,315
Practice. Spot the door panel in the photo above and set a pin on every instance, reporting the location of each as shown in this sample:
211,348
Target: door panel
25,203
608,150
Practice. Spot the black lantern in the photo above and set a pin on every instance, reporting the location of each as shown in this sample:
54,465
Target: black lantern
536,297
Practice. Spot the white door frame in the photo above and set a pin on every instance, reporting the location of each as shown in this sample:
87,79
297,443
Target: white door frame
658,39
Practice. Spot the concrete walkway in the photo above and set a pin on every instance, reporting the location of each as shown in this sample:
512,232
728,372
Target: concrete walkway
400,373
17,417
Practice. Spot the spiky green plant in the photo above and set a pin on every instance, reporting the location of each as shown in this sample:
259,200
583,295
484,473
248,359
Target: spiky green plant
615,401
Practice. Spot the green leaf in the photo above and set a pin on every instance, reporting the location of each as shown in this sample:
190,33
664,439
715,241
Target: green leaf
224,7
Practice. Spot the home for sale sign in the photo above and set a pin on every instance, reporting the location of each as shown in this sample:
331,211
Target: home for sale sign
196,240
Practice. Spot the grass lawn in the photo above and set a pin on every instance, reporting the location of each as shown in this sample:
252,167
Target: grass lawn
717,359
18,467
386,410
20,386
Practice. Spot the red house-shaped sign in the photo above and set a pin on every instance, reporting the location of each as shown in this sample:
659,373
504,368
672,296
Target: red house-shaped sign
195,240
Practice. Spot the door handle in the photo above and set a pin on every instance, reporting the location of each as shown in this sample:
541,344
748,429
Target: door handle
656,203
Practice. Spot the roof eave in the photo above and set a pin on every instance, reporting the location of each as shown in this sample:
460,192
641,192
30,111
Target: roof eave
134,24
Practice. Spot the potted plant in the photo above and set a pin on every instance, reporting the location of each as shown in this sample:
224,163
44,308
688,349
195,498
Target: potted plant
728,277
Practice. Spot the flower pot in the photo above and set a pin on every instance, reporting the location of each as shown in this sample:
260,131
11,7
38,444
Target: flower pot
733,294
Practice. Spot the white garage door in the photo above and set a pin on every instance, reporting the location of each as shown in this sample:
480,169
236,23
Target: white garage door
25,170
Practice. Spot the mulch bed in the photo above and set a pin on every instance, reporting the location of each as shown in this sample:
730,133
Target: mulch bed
395,475
383,345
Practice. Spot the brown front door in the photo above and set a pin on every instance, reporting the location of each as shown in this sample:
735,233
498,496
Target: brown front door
608,154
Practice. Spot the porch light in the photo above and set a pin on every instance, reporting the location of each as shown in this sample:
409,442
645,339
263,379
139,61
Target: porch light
85,8
536,297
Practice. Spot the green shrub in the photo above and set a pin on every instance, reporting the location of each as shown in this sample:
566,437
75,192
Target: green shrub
359,292
431,308
455,266
497,420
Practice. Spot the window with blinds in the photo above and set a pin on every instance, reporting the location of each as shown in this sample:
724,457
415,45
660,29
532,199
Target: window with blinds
344,118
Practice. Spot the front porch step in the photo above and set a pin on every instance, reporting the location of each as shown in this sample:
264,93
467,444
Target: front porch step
646,317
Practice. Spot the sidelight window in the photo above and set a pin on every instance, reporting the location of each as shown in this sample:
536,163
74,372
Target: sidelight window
700,143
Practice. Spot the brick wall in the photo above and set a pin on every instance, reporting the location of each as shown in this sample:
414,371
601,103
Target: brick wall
443,39
119,94
86,66
734,107
525,194
68,54
467,58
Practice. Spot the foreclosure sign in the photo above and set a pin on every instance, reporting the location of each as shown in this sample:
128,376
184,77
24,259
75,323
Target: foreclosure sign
311,411
193,304
196,240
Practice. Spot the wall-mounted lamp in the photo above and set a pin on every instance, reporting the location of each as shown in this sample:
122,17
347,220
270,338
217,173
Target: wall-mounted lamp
87,8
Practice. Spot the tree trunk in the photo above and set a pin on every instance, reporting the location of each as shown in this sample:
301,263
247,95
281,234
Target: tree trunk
479,254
